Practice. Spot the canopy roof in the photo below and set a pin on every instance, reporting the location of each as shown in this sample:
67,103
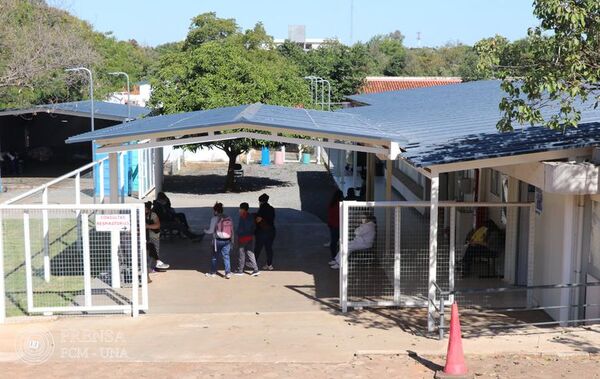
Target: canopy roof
427,126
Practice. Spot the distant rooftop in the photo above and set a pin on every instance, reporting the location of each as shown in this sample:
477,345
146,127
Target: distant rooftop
379,84
102,110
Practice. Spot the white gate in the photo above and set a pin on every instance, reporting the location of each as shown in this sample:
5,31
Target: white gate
404,267
73,258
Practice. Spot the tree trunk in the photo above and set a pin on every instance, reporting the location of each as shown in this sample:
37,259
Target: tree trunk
230,180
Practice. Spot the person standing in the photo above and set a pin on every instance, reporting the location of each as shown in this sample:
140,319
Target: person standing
333,222
221,227
245,235
265,230
153,234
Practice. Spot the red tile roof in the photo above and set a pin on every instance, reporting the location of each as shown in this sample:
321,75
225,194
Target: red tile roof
378,84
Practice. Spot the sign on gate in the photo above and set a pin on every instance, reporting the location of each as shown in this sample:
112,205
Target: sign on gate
113,222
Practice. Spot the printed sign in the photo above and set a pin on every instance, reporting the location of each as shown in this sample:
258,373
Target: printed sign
112,223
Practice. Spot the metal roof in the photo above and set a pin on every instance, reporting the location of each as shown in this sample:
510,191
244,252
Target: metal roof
446,124
285,118
102,110
435,125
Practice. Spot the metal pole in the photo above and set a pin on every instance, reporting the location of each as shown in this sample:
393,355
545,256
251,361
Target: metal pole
128,91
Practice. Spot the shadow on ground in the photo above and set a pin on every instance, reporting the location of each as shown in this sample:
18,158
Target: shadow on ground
212,184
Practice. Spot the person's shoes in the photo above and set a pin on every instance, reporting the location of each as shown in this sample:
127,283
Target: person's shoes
228,276
335,266
238,273
332,262
162,265
327,244
255,273
210,274
268,267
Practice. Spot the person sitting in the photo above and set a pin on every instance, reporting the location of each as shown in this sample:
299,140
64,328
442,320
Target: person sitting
478,241
364,238
172,220
351,195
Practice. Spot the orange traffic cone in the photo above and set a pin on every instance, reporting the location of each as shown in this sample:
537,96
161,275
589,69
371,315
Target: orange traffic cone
455,360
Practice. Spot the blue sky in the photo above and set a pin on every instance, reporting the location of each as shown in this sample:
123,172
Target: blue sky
153,22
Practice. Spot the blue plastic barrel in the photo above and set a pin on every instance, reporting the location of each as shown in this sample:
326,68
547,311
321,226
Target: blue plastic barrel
305,158
265,157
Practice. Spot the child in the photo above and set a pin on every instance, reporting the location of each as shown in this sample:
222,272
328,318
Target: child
221,227
245,240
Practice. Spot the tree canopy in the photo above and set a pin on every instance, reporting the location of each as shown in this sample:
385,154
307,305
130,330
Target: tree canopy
225,68
558,64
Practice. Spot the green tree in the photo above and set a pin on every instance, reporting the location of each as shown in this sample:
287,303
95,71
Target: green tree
345,67
226,69
558,63
388,54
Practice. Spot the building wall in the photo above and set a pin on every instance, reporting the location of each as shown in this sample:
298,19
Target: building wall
554,249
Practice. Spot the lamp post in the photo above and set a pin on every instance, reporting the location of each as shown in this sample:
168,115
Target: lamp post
128,92
91,89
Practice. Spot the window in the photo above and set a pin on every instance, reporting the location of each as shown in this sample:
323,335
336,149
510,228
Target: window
495,183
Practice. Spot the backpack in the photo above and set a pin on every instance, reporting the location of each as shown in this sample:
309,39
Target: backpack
224,229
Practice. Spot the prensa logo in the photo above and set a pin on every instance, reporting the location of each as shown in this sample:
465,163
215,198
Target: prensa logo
35,347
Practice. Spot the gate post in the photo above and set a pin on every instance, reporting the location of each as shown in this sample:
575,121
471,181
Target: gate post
87,264
344,257
135,304
397,251
433,231
115,268
452,253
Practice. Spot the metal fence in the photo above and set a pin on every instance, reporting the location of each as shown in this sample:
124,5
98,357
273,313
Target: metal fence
478,244
72,258
511,317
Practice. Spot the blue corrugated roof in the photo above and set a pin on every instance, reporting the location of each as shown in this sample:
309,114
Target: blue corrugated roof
255,114
433,125
102,110
453,123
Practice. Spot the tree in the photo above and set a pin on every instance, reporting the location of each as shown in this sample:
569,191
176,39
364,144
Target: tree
388,54
345,67
226,69
558,64
36,43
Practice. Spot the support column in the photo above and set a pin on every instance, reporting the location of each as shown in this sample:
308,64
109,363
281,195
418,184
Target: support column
113,167
354,168
158,170
370,195
512,225
433,231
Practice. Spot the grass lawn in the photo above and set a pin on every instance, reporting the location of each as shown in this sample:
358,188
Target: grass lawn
66,273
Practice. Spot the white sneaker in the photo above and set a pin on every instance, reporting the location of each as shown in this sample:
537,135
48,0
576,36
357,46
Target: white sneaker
162,265
255,273
332,262
210,274
335,266
267,268
239,273
327,244
228,276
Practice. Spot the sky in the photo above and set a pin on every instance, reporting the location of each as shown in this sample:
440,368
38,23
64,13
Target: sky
154,22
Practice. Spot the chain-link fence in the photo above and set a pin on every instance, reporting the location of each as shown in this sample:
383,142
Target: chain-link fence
69,258
388,259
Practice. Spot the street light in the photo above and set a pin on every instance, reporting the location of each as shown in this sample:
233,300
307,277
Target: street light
128,92
91,89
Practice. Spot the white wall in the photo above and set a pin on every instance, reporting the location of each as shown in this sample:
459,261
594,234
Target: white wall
554,246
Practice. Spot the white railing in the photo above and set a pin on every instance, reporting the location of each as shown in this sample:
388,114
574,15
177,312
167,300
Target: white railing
391,272
76,221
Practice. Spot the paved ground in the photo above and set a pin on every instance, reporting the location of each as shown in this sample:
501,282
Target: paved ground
283,324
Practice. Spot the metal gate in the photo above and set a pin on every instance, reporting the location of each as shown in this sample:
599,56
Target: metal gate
403,264
73,258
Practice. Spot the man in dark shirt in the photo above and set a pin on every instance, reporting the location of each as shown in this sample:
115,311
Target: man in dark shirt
265,230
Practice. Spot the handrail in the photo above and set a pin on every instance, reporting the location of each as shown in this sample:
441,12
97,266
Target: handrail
54,181
427,204
521,288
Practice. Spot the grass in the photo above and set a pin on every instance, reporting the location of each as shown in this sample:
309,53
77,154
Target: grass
66,280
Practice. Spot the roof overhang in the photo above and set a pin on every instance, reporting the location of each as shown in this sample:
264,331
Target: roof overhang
342,141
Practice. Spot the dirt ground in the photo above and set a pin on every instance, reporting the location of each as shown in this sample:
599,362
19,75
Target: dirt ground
396,366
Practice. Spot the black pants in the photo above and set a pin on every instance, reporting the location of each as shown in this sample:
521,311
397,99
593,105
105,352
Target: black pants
181,217
334,234
264,239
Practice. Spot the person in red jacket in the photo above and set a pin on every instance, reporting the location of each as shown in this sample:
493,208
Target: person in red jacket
333,222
